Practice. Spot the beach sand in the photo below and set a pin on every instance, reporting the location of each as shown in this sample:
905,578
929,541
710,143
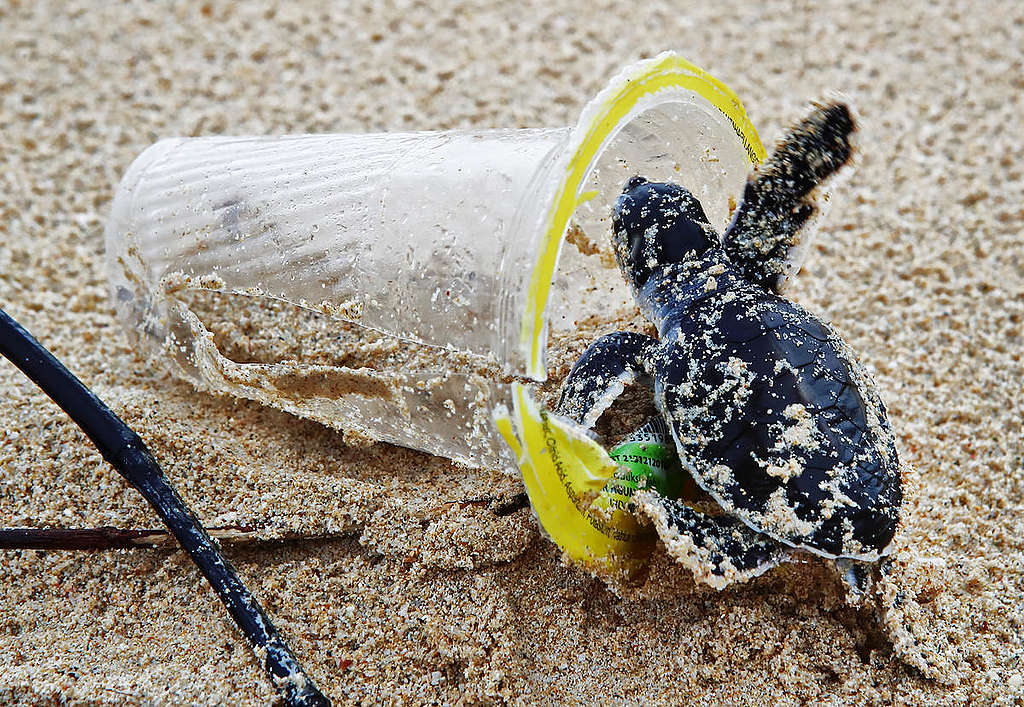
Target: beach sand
422,592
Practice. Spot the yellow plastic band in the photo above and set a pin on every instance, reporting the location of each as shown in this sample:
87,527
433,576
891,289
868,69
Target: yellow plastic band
565,472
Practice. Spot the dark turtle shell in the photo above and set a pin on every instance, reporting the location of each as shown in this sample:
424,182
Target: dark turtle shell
777,418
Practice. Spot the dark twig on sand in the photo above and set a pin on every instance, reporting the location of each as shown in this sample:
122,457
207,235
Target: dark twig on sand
500,505
111,538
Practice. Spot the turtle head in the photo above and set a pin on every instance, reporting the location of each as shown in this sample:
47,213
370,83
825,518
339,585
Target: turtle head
658,223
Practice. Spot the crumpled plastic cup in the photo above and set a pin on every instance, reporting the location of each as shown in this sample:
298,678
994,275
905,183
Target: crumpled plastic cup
452,244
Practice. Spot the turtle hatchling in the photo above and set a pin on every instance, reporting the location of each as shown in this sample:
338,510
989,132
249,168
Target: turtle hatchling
770,410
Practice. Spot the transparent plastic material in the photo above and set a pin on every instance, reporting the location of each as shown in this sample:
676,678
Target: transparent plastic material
404,233
449,244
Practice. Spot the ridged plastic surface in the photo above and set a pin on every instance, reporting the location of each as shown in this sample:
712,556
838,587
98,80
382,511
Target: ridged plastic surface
403,233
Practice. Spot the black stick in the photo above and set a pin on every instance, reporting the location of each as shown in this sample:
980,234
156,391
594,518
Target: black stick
127,453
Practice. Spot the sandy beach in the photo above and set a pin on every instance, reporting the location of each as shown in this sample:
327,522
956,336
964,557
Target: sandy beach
407,587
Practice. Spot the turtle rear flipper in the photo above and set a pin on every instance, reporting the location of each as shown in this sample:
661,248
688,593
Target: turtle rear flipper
765,238
601,374
719,550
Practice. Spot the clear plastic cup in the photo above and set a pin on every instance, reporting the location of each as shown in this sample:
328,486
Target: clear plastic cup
449,243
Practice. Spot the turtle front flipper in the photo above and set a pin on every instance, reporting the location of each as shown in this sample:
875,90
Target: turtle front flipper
718,550
601,374
765,238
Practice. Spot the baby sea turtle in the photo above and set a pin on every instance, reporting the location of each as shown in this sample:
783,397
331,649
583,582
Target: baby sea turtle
770,411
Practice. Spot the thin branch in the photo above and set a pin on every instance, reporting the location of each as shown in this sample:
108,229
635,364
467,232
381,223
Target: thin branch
111,538
500,505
